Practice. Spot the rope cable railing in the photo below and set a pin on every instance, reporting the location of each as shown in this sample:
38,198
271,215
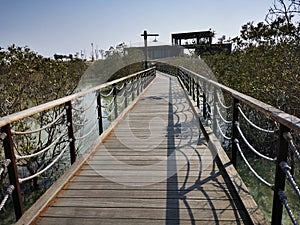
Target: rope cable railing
120,88
121,103
283,122
40,129
107,95
84,123
3,136
21,180
8,192
87,134
287,170
236,141
108,114
221,131
222,104
129,90
121,93
18,157
252,124
222,118
288,137
92,103
4,164
284,201
64,142
109,104
250,146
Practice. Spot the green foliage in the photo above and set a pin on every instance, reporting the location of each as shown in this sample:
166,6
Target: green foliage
28,79
265,64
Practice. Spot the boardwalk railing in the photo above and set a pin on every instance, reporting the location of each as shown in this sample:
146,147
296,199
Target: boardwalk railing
226,114
49,131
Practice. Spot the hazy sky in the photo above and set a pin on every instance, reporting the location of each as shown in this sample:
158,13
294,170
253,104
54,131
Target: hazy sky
68,26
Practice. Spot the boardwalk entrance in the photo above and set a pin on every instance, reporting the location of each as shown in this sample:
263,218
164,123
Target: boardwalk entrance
154,168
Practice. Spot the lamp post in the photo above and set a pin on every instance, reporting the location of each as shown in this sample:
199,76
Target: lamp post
92,44
145,35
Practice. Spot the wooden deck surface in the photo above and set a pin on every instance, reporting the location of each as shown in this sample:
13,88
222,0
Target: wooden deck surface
155,168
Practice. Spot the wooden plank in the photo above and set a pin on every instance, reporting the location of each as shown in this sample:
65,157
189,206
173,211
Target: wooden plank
142,213
136,221
142,203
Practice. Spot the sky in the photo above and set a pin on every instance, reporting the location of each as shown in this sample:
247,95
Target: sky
51,27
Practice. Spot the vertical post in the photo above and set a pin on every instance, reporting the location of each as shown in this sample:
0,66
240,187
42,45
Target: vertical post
115,101
235,119
99,107
132,88
215,113
190,85
198,95
13,171
145,35
193,87
125,94
71,131
139,85
204,101
146,49
282,154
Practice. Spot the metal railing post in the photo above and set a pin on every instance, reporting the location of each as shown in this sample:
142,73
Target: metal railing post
215,113
193,87
71,131
125,95
282,154
204,101
235,119
99,109
190,85
198,95
13,171
115,101
132,89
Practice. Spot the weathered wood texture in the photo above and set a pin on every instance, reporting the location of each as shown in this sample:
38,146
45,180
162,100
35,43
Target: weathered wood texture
155,168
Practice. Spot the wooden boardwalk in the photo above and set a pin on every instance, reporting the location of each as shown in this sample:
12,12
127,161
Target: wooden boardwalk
154,168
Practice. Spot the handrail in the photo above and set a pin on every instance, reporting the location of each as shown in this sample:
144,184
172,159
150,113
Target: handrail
49,105
138,82
278,115
287,123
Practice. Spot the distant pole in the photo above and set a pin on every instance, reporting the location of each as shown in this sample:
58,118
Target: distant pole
92,52
145,35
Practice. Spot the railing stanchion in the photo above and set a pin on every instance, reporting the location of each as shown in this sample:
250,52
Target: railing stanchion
282,154
115,101
132,89
215,113
71,131
13,171
125,94
198,95
193,87
235,119
204,101
190,85
99,108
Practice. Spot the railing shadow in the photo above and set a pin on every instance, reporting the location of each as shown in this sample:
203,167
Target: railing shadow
173,198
